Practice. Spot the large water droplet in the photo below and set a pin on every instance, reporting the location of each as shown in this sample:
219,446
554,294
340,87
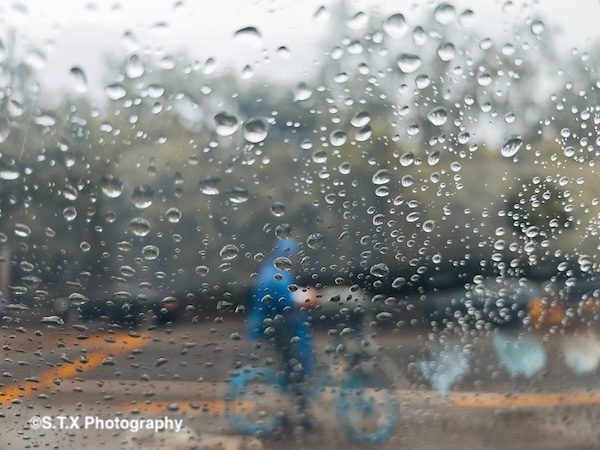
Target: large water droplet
134,67
139,226
302,92
282,263
438,116
80,83
210,185
115,91
238,195
444,13
408,63
446,52
8,173
22,230
229,252
173,215
278,209
379,270
315,240
70,213
428,225
484,79
382,176
111,186
225,124
537,27
249,35
150,252
338,138
283,231
202,270
255,130
360,119
322,15
511,145
363,134
142,196
395,26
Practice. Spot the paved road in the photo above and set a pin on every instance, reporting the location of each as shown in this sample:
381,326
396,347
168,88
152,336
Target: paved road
181,373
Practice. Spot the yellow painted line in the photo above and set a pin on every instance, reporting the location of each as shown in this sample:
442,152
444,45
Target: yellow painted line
123,343
524,400
216,407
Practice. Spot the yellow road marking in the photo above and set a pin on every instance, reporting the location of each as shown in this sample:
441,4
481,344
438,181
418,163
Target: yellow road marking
216,407
523,400
122,343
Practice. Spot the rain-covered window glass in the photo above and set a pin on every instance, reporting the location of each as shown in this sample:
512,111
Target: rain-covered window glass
287,224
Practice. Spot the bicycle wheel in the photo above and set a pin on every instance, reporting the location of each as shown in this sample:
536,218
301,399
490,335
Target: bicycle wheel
368,415
256,395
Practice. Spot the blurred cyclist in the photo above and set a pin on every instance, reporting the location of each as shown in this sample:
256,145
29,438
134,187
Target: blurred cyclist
275,318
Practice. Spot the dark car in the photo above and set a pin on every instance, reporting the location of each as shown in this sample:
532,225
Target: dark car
129,304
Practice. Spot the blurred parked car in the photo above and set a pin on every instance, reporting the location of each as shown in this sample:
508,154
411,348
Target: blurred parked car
501,303
127,304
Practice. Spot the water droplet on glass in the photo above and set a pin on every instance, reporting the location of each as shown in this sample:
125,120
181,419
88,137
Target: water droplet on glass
139,226
438,116
484,79
173,215
422,81
283,231
79,79
315,240
249,35
127,271
70,213
395,26
8,173
382,176
511,145
229,252
36,58
428,226
238,195
112,186
150,252
360,119
444,13
321,15
319,156
357,21
210,185
22,230
537,27
379,270
408,63
202,270
463,137
363,134
282,263
413,217
446,52
278,209
302,92
115,91
419,36
225,124
142,196
345,168
255,130
338,138
466,18
134,67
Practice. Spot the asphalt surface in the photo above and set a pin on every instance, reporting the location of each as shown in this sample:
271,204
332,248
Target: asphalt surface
182,371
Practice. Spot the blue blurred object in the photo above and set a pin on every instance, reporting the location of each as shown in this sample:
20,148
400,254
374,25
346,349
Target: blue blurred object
272,296
447,366
519,354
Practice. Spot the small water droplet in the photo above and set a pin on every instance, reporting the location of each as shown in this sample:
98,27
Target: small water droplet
225,124
322,15
408,63
360,119
22,230
278,209
255,130
395,26
429,226
422,81
466,18
413,216
202,270
345,168
142,196
363,134
484,79
438,116
249,35
283,231
302,92
338,138
127,271
537,27
446,52
238,195
510,146
70,213
139,226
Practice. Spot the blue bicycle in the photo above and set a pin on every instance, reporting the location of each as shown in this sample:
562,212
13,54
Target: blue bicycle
259,396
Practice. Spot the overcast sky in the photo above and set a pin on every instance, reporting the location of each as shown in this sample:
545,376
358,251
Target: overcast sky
79,33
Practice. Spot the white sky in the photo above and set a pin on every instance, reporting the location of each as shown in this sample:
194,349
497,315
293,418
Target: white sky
81,33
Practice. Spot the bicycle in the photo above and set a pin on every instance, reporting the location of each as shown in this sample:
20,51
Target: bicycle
367,412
